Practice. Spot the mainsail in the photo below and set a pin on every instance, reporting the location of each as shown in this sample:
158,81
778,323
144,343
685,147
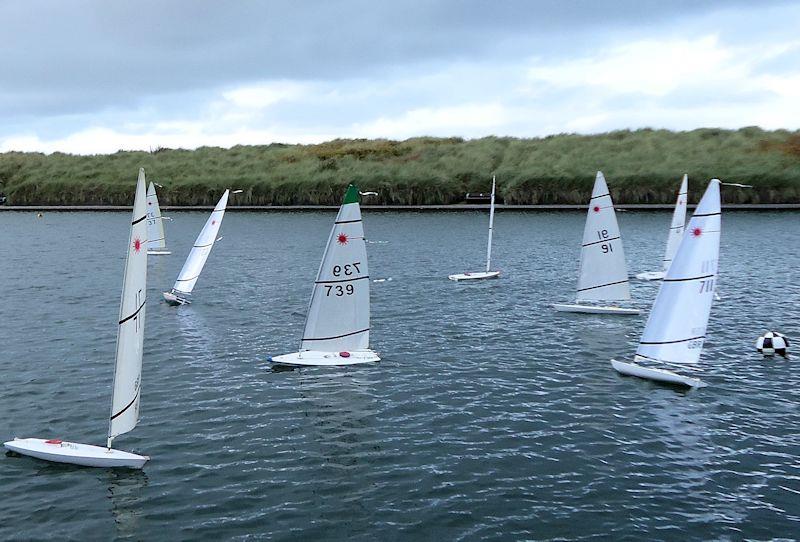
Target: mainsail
603,273
201,249
130,334
676,328
677,225
155,223
338,314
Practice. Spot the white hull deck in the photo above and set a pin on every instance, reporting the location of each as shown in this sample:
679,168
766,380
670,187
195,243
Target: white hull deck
475,276
158,252
73,453
594,309
175,300
314,358
651,275
656,375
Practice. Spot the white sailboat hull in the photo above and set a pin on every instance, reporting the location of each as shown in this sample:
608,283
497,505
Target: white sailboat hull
594,309
158,252
651,275
175,300
475,276
314,358
656,375
74,453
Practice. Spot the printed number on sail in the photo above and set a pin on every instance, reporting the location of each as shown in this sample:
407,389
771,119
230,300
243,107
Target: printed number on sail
338,290
347,269
605,247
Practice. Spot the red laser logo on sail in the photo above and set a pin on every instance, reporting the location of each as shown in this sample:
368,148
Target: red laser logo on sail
697,232
596,209
213,222
137,245
342,239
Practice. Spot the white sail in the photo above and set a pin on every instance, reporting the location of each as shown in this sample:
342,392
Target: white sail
155,224
676,328
187,278
130,334
338,314
603,273
491,227
678,222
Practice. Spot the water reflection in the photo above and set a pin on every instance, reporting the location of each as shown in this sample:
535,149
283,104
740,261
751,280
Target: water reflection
126,493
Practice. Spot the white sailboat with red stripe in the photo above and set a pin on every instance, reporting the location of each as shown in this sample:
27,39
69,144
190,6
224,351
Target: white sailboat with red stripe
187,278
603,272
676,329
675,234
488,274
128,367
337,324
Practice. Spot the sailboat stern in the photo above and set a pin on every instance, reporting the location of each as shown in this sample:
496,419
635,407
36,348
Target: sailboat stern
316,358
655,374
174,298
73,453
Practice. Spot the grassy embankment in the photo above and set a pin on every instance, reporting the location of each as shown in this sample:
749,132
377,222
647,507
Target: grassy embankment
642,166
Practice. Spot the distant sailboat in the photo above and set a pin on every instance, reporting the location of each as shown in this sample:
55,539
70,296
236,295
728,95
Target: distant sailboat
156,240
675,234
337,324
128,368
603,273
676,328
193,266
488,274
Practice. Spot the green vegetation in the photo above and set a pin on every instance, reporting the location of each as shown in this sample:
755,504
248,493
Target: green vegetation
642,166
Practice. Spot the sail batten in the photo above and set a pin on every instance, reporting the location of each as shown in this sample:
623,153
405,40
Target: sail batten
338,312
676,328
201,249
125,393
603,272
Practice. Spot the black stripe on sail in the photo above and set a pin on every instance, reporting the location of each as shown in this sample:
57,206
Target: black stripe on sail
336,337
134,314
203,246
707,214
677,227
187,280
127,407
218,211
603,241
342,280
689,278
348,221
138,220
600,196
672,342
603,285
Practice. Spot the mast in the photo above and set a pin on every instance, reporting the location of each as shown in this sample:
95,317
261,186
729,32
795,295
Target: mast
130,333
491,227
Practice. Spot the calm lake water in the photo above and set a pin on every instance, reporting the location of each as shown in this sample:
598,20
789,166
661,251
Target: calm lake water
491,417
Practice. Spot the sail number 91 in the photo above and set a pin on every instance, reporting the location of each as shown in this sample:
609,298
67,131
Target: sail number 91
347,269
605,247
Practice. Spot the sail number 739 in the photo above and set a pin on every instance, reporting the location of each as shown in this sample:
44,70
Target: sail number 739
338,290
346,269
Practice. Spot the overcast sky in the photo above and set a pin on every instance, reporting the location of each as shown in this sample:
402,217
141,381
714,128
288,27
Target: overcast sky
96,76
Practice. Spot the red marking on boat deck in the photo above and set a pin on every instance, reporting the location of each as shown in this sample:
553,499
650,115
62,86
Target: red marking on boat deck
53,441
342,239
697,232
596,209
344,354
